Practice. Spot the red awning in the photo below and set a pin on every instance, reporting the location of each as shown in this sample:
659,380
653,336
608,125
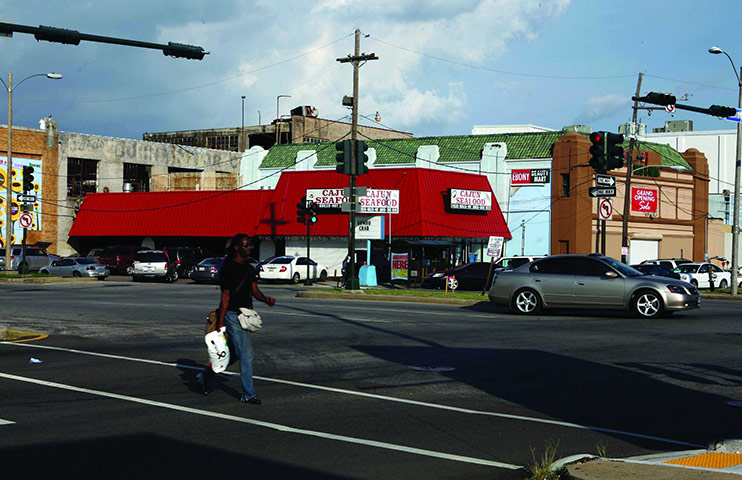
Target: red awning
423,199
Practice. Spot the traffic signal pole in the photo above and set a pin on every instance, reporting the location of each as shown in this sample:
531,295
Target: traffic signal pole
356,59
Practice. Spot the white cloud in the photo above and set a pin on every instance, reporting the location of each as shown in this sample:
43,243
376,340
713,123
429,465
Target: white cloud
598,107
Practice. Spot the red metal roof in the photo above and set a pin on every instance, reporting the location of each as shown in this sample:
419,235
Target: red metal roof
423,209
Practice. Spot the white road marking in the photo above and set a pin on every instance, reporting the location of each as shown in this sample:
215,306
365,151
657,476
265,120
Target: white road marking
6,422
379,397
274,426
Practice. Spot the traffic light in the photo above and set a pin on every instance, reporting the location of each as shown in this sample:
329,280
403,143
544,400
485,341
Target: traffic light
343,157
665,99
361,157
613,151
597,152
180,50
302,210
27,178
312,212
721,111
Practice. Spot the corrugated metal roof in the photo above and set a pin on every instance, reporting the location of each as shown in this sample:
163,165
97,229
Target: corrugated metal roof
423,212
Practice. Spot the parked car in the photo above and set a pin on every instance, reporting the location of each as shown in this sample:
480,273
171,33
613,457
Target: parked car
207,270
657,270
671,263
76,267
36,257
95,253
509,263
185,259
119,258
590,282
697,274
154,264
470,276
292,269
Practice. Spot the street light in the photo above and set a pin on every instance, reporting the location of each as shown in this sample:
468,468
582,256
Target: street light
9,167
278,131
735,221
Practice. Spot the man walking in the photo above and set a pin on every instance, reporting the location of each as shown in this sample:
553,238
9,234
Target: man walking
238,283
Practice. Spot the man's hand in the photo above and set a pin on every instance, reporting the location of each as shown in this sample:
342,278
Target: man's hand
270,301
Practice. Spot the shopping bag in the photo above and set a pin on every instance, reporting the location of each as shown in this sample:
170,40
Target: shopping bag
250,320
216,344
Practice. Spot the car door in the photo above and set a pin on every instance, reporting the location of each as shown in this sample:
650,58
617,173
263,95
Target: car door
63,268
475,277
555,280
300,267
597,284
720,275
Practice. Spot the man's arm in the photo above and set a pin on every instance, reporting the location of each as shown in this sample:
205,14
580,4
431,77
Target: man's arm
270,301
222,308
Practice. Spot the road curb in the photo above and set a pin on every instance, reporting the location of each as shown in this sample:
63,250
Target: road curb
44,280
387,298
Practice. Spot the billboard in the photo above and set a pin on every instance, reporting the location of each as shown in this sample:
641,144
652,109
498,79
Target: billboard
17,188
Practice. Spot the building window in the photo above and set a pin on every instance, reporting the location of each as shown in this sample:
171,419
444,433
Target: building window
137,177
184,179
313,140
82,176
565,184
223,142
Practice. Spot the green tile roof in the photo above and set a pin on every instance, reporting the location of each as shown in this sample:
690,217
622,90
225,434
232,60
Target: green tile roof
460,148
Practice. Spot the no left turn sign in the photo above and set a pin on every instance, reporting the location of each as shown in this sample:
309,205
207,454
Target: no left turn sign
25,220
605,209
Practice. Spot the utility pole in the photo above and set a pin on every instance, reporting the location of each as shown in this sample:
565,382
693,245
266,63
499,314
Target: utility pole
356,60
522,237
629,171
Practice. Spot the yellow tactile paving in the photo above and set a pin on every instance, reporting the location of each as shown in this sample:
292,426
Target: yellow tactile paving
710,460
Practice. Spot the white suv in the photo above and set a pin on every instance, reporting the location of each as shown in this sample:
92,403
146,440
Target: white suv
154,264
671,263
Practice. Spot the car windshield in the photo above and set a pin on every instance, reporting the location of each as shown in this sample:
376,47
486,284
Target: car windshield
687,268
622,268
211,261
151,257
282,260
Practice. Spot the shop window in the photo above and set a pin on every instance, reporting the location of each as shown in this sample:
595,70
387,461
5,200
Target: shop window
82,176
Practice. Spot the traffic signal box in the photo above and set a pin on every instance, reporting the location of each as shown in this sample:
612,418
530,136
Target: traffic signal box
597,153
28,178
343,157
606,152
312,212
302,211
361,157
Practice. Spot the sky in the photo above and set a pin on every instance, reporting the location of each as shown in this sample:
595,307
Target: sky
444,65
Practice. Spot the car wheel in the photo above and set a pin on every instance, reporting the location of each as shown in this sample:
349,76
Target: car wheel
723,284
323,276
295,279
173,277
694,282
648,304
44,272
527,301
76,274
100,279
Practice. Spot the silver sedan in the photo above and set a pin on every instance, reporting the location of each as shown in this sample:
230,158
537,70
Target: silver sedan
590,282
76,267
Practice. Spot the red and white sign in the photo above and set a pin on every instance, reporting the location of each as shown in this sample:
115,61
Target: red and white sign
25,220
605,209
644,200
471,199
528,177
375,201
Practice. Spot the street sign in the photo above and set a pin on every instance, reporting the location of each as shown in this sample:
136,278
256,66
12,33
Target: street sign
602,192
737,117
25,220
360,191
605,209
345,207
26,198
602,180
494,247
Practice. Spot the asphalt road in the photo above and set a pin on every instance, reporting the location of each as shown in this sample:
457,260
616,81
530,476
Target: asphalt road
351,389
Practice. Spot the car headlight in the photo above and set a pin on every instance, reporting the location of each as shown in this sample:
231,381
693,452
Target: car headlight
437,275
676,289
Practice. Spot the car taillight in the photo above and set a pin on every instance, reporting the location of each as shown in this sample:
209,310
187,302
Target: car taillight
178,261
260,269
283,269
213,269
118,259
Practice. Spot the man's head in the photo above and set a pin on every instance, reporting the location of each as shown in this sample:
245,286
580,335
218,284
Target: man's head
240,244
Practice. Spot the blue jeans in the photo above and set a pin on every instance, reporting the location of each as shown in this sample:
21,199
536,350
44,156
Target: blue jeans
242,344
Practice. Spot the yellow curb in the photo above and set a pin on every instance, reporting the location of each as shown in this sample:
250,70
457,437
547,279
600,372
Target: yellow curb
23,336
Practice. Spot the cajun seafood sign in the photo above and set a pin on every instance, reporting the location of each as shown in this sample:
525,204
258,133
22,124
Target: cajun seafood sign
375,200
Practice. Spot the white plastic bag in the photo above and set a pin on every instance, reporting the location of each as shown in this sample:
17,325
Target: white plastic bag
250,320
216,344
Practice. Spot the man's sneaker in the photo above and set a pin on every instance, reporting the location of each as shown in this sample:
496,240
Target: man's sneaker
202,384
252,400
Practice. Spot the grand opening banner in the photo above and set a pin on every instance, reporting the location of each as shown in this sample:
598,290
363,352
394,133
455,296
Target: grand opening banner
399,266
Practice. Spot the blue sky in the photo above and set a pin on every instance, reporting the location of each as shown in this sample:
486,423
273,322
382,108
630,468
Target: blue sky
444,65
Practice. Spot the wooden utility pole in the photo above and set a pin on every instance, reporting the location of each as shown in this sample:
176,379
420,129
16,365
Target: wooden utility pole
629,171
356,60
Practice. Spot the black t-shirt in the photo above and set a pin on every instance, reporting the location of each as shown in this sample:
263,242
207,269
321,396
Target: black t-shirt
230,276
